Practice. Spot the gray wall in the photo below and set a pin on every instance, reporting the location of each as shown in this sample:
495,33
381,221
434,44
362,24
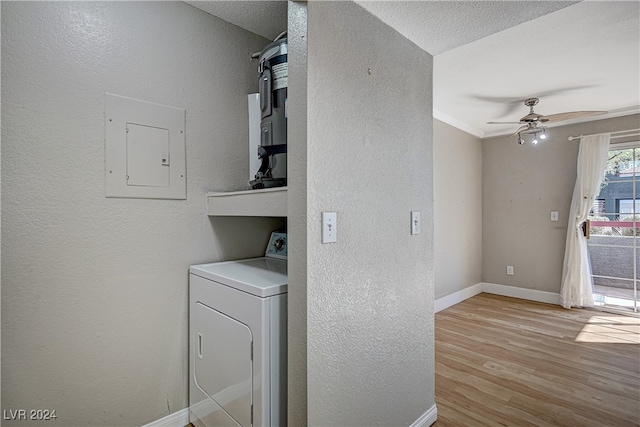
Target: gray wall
369,158
94,290
297,214
521,185
457,188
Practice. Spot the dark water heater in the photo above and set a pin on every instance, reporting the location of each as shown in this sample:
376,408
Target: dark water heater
272,151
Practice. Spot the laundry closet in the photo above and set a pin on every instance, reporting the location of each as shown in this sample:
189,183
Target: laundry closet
238,308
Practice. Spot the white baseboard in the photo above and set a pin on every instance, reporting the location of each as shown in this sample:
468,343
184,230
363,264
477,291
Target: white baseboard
493,288
456,297
427,418
177,419
181,419
522,293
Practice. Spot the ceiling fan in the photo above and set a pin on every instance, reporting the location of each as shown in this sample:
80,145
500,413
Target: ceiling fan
532,122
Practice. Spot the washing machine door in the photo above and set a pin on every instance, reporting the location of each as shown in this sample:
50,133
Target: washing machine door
223,366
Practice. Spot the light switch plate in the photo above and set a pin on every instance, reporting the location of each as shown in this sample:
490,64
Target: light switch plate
415,222
329,227
554,216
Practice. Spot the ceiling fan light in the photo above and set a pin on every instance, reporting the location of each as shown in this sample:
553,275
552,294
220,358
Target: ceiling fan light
543,135
534,141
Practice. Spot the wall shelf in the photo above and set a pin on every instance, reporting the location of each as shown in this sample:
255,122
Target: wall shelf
268,202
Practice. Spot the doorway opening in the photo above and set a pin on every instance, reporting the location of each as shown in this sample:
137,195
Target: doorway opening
614,231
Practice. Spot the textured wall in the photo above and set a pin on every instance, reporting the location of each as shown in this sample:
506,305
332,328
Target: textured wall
521,185
297,214
369,157
94,290
457,188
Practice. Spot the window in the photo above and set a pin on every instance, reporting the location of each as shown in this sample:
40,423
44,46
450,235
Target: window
627,206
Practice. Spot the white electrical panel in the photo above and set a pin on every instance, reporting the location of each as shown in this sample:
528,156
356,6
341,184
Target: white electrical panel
144,149
147,156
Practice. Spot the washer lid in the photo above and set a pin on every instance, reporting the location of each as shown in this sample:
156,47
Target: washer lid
262,277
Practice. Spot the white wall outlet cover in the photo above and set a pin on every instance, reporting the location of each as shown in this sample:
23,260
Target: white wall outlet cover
145,154
329,227
509,270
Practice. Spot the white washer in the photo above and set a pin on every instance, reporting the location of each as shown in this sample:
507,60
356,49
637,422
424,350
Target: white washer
238,343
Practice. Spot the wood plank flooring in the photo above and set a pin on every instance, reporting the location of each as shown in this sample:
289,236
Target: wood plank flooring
508,362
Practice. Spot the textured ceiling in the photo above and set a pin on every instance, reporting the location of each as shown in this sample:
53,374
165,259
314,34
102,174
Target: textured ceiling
491,55
265,18
583,57
439,26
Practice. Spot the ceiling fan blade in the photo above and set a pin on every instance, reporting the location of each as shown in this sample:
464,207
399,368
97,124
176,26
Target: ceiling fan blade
519,130
569,115
503,123
511,104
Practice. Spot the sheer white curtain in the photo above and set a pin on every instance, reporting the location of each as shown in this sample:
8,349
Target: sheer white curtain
577,286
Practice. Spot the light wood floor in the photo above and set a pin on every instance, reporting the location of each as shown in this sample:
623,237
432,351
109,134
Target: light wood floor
507,362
